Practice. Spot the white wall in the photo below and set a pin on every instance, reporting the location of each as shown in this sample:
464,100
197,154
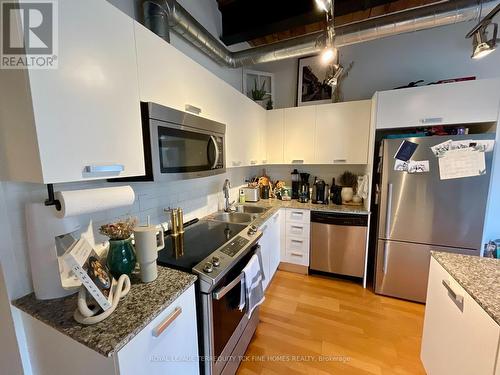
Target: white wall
431,55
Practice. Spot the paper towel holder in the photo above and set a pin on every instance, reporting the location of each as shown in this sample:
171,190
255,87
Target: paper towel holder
52,201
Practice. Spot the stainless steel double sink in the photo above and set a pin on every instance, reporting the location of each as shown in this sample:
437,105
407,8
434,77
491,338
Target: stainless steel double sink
243,215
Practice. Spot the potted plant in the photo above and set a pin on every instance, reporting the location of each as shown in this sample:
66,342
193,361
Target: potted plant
348,181
121,257
258,95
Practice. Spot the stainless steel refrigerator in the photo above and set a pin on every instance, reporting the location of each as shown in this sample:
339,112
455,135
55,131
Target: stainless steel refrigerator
419,212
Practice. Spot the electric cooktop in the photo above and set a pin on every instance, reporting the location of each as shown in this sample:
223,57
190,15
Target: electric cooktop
198,241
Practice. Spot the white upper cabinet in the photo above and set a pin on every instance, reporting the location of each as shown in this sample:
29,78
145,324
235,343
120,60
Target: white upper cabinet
274,134
299,134
450,103
342,133
170,78
57,122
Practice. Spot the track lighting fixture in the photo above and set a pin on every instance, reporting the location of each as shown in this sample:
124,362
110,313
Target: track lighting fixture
481,45
479,34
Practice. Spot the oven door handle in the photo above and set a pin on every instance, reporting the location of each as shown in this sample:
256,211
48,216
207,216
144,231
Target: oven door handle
217,151
225,290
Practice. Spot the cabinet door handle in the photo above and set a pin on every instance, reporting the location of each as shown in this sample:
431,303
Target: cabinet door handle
339,160
192,109
297,255
104,168
298,161
432,120
296,227
457,298
297,241
166,323
297,213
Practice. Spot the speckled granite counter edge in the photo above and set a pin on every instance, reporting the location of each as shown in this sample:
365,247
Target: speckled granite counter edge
93,339
493,312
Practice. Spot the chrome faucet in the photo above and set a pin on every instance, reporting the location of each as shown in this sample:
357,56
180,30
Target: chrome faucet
225,190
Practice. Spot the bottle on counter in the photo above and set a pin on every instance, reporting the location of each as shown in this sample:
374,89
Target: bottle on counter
242,196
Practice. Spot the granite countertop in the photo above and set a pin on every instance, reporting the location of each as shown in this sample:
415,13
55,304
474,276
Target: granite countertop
274,205
478,276
360,210
139,307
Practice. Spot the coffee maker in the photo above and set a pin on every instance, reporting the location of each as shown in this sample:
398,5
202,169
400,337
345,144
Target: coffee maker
304,188
318,194
295,184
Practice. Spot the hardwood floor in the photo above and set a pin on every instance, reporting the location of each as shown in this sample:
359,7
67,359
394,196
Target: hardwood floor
335,327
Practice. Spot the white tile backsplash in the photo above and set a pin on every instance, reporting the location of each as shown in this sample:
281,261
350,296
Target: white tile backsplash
197,197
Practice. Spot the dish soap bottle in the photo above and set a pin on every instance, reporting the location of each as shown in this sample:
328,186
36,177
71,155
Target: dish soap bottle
242,198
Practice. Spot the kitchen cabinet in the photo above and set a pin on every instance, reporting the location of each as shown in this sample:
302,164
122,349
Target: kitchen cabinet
297,241
450,103
275,134
270,246
56,122
342,133
299,128
172,351
459,336
170,78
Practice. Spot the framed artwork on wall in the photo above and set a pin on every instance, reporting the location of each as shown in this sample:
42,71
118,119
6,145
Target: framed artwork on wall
311,84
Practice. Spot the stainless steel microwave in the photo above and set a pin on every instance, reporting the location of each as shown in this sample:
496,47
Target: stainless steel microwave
180,145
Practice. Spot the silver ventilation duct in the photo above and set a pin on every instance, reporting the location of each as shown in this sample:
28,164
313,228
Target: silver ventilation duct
157,12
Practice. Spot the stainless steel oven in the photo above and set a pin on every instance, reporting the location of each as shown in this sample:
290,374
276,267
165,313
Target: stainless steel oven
180,145
227,331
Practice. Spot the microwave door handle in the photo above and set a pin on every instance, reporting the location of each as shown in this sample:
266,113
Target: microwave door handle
226,289
217,151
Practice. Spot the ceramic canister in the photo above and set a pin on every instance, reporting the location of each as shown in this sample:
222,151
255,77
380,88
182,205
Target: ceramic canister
148,241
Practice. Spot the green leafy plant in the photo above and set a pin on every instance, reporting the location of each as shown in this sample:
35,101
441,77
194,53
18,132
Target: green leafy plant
269,104
348,179
258,94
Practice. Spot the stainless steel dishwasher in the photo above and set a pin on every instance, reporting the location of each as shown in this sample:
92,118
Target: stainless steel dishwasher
338,243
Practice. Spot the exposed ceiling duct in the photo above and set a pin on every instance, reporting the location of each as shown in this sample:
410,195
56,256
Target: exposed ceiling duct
162,16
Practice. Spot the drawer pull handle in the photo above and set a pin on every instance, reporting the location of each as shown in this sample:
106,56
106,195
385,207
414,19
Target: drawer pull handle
296,213
298,255
297,241
166,323
253,162
457,298
339,161
296,227
297,161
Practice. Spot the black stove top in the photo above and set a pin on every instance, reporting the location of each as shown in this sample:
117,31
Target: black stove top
199,240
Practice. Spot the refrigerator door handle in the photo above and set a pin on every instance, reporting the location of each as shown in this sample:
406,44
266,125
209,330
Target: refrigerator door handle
386,257
388,212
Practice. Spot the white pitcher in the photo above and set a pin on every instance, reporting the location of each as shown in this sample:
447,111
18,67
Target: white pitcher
148,241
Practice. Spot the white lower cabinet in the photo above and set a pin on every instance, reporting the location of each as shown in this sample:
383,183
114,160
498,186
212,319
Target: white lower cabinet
167,345
297,232
459,337
270,246
171,351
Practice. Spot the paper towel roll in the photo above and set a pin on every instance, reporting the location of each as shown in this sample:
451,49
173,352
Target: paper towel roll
79,202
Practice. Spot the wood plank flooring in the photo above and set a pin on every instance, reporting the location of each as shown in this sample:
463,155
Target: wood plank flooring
333,327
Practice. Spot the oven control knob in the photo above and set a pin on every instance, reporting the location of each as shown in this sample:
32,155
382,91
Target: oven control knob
216,261
208,267
252,230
